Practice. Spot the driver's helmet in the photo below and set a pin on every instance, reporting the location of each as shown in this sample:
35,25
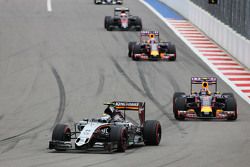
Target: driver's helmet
109,110
123,14
204,91
151,39
105,118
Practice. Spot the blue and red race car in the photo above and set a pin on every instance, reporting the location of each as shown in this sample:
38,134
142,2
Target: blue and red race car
204,104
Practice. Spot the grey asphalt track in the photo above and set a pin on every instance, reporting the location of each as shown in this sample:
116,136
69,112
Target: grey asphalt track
61,67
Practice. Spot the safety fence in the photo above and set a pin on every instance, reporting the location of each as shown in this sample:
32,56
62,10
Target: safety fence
235,13
235,43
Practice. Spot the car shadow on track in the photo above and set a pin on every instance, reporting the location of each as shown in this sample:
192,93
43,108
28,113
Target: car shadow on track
129,150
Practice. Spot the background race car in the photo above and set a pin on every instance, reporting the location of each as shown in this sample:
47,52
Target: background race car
204,104
150,47
122,20
108,2
112,131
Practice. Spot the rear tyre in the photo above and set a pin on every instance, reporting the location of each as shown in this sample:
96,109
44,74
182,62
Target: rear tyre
138,24
175,111
152,132
61,132
96,2
120,3
180,104
107,21
119,135
136,50
231,105
172,50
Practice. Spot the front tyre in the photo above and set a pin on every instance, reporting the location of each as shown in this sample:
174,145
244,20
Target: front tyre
152,132
61,132
231,105
172,50
119,135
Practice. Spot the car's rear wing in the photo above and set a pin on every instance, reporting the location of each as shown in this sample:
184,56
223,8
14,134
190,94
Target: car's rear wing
204,81
118,10
150,34
121,9
145,33
132,106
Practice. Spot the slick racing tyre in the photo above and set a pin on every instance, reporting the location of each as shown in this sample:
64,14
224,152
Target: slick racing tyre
180,104
107,22
119,135
176,95
119,2
228,94
231,105
172,50
61,132
130,48
152,132
136,50
138,24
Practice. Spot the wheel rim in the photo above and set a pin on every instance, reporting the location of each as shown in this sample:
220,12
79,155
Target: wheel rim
123,141
158,134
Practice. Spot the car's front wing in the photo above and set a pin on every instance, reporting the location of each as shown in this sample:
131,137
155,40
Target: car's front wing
192,115
149,57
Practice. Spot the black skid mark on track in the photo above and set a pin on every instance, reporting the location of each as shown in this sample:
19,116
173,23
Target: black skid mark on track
11,146
62,95
156,103
153,99
101,83
114,37
170,78
1,117
13,138
130,81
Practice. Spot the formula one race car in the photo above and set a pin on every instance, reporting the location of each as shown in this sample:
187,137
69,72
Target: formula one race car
108,2
151,48
112,131
204,104
122,20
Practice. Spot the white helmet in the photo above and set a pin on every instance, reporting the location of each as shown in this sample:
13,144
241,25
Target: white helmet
105,118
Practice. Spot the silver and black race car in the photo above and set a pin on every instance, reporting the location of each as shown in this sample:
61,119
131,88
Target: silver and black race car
113,131
109,2
122,20
204,104
149,47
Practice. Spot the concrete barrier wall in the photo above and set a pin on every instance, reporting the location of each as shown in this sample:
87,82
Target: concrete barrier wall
237,45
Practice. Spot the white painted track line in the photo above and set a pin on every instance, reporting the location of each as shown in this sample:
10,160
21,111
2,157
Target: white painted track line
49,6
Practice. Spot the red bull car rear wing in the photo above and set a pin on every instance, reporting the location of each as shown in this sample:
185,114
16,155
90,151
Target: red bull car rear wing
204,82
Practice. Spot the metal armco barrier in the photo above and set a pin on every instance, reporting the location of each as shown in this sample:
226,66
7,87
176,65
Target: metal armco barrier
235,13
